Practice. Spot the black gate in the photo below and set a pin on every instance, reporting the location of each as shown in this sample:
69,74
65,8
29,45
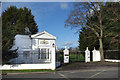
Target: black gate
73,56
91,56
59,56
77,56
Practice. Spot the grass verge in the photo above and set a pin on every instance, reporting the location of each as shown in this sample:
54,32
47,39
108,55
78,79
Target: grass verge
27,70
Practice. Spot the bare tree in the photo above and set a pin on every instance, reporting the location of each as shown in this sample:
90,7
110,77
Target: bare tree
88,15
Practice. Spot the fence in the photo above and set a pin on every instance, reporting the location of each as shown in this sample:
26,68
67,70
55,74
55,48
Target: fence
80,55
112,54
31,58
59,56
73,56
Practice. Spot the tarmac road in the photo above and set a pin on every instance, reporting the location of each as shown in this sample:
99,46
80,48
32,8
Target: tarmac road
107,71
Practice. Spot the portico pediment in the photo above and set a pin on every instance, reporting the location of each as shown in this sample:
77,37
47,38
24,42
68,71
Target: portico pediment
43,35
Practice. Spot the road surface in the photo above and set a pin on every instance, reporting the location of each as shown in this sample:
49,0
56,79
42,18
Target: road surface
87,71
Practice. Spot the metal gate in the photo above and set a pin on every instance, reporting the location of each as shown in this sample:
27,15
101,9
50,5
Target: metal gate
74,56
77,56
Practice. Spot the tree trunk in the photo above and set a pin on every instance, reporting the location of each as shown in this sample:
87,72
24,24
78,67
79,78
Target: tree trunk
101,49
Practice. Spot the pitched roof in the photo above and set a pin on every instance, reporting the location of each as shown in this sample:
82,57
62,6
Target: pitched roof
43,35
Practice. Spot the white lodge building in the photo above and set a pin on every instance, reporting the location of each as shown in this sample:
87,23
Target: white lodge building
35,52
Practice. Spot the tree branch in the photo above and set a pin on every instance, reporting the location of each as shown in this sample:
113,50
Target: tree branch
96,26
94,31
101,27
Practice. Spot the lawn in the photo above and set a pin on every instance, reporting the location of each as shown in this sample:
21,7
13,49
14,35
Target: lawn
73,57
76,57
27,70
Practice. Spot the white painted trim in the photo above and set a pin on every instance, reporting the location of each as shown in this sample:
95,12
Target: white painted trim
27,66
112,60
43,32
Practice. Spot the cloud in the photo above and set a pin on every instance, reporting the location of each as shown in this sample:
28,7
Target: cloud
64,5
70,43
67,44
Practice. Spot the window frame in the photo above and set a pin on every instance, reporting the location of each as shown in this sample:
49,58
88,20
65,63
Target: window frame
47,54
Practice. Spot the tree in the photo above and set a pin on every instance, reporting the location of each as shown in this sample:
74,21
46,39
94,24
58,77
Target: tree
14,21
111,40
70,49
0,39
111,21
89,15
87,39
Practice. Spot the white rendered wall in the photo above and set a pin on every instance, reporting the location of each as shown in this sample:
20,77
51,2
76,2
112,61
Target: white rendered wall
87,55
25,42
36,45
26,66
96,55
112,60
51,65
22,41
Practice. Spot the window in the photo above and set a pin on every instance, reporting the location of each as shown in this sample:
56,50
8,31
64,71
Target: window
43,53
26,54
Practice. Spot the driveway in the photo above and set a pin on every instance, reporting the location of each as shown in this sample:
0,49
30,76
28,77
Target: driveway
77,70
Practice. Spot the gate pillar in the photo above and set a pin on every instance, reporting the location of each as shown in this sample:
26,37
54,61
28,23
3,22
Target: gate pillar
87,55
66,55
96,55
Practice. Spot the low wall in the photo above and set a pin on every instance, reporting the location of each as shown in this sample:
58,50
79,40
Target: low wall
112,60
27,66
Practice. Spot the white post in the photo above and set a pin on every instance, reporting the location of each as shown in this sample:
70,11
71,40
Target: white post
96,55
87,55
66,55
53,61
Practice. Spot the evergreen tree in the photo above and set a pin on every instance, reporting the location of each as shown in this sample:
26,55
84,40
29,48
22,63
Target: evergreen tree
14,21
111,22
87,39
111,34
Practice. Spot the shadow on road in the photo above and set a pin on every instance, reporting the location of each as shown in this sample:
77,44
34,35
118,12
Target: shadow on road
83,65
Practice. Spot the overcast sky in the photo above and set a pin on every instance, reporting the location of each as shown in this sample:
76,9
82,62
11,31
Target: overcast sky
50,17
